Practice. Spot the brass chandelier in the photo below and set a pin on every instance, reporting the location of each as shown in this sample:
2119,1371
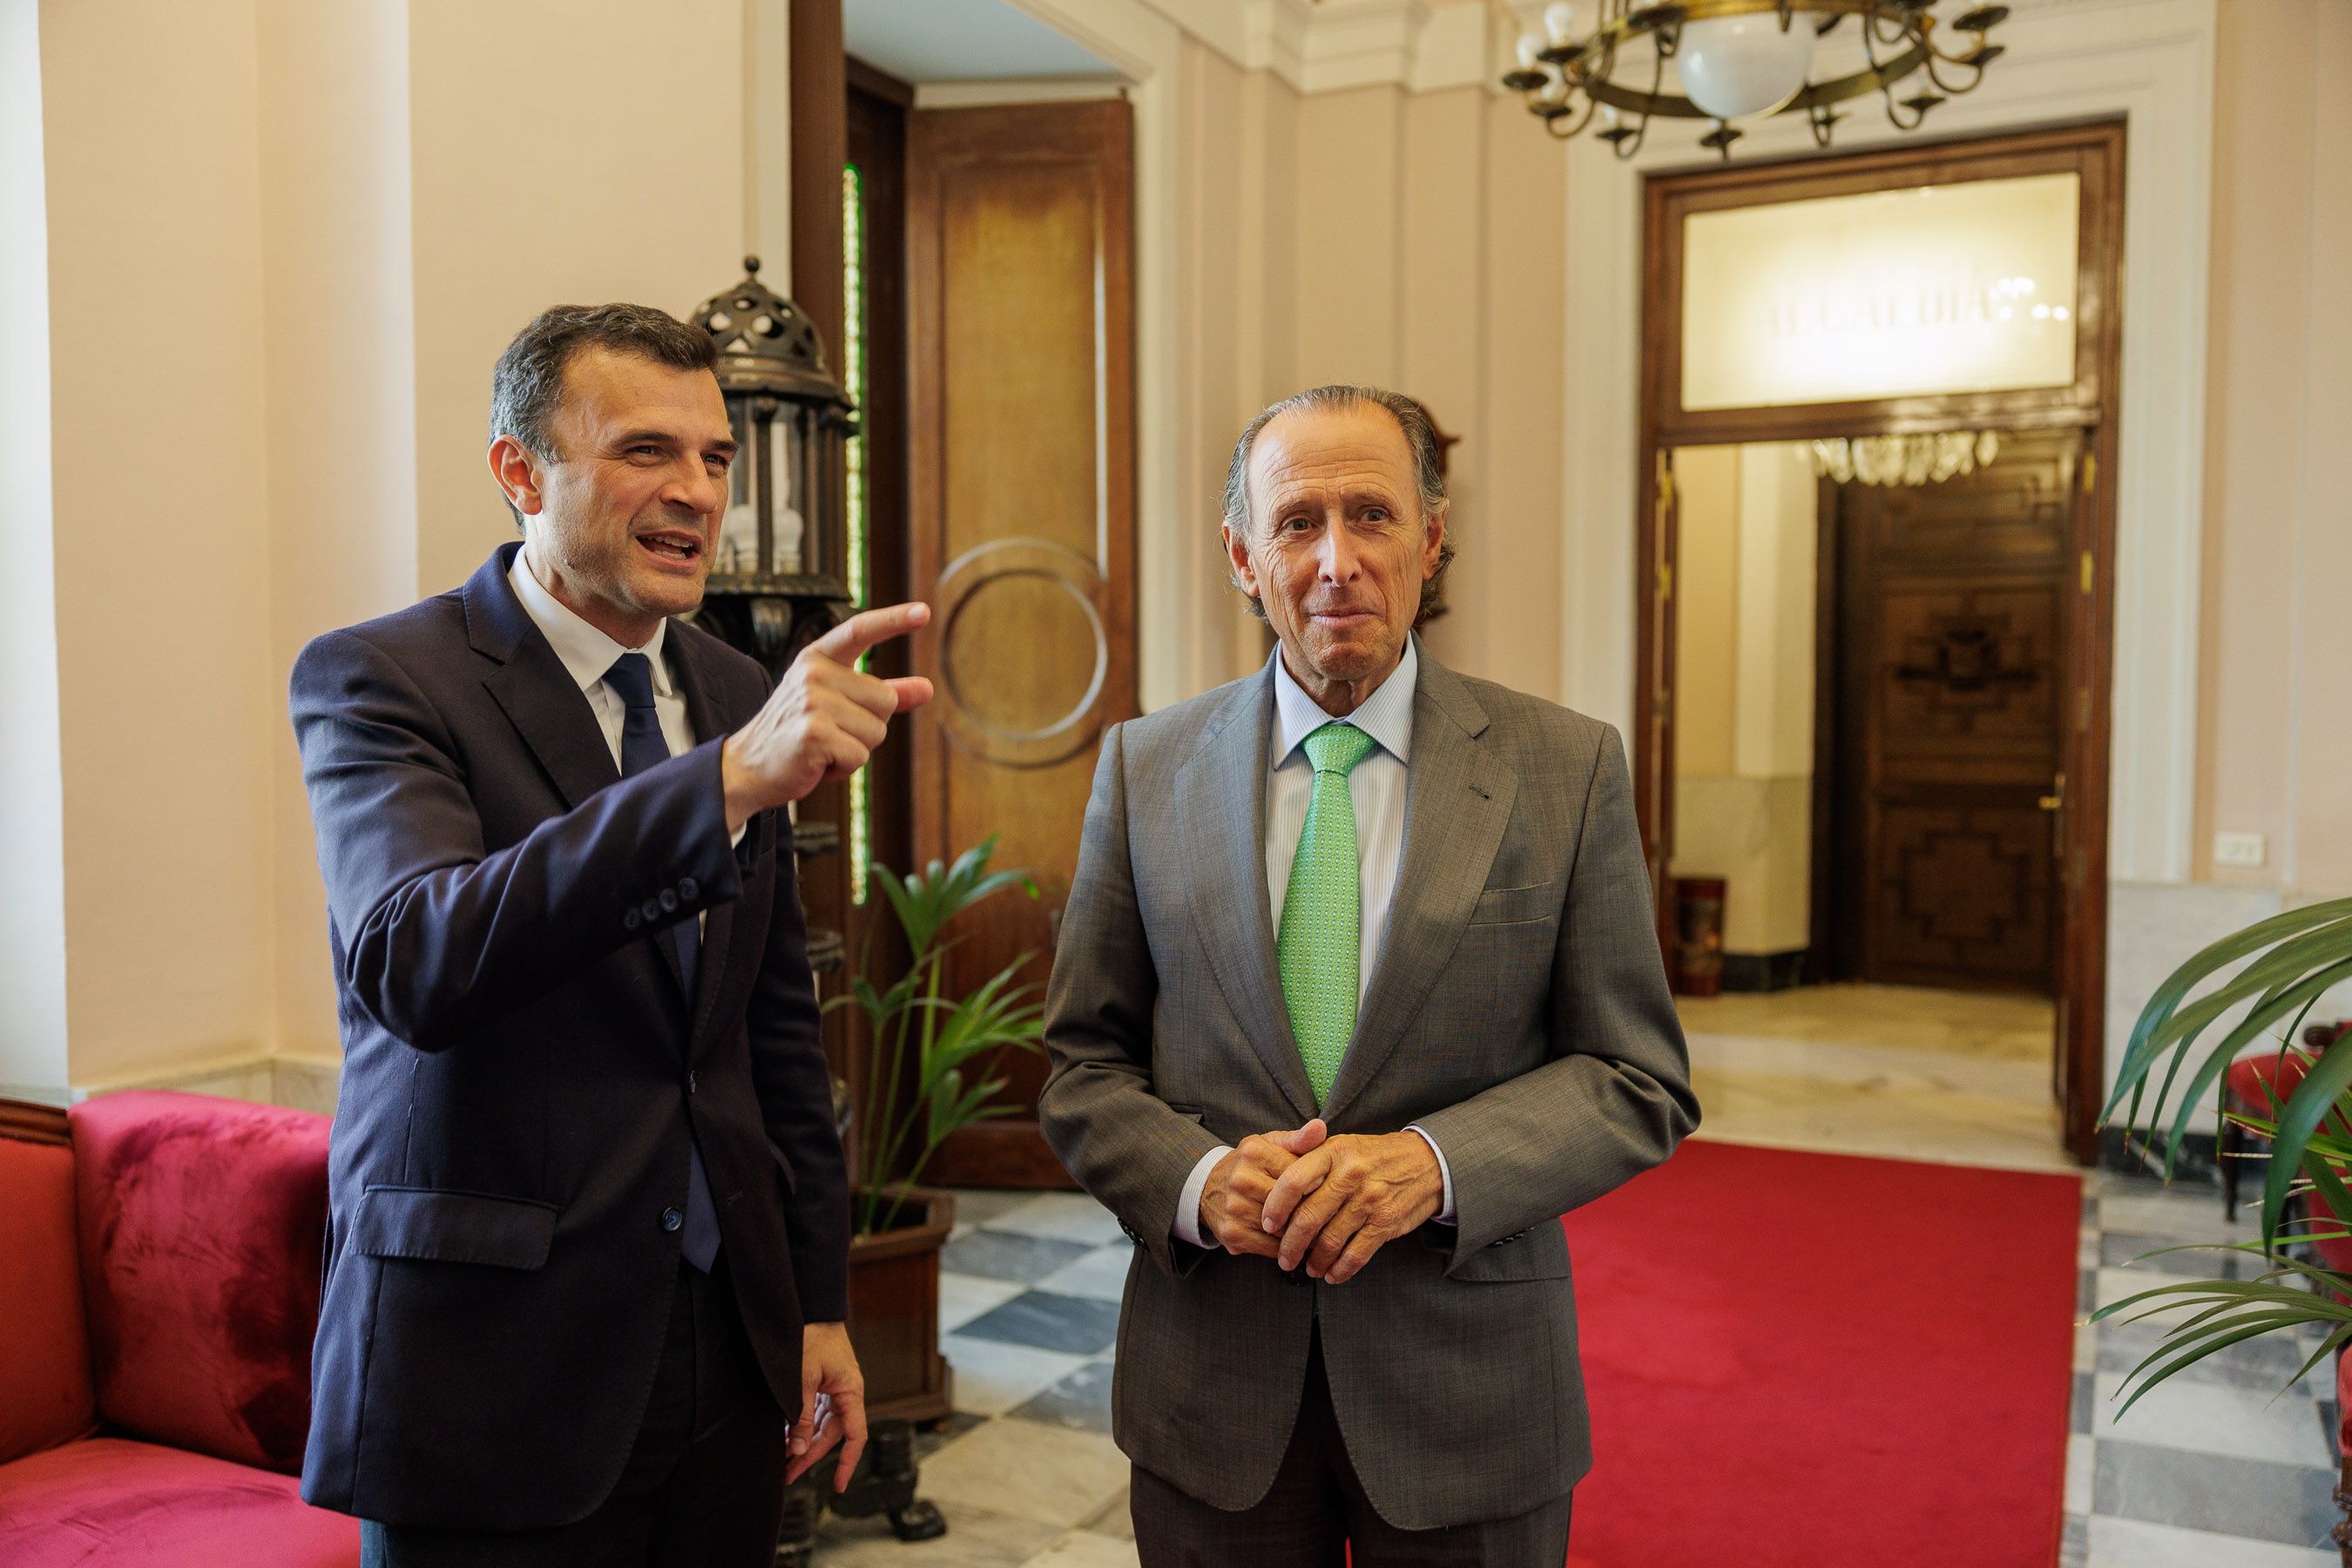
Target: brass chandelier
1741,60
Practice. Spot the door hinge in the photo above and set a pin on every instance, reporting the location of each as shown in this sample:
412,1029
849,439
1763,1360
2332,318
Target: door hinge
2090,472
2090,572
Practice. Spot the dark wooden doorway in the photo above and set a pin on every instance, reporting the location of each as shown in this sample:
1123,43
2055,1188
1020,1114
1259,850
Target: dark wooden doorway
1022,523
2085,410
1945,612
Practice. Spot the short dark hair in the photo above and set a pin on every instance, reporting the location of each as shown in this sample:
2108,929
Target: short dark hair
1420,439
527,388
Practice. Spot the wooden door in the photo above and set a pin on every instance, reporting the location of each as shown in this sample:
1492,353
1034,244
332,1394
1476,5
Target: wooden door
2078,1067
1953,618
1654,749
1022,521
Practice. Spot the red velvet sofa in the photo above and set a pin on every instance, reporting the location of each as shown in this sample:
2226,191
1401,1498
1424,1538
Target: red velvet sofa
159,1285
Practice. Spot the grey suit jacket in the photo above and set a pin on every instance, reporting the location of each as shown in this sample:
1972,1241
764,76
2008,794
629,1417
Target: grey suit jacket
1517,1012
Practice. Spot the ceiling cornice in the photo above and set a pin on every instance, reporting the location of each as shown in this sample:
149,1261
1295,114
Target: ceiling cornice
1328,46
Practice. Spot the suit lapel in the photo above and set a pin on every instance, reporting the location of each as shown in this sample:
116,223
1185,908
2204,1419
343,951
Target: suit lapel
719,922
540,698
1221,807
1457,803
548,708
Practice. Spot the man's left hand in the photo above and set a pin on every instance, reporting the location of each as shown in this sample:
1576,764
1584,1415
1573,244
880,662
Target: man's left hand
1337,1207
828,1367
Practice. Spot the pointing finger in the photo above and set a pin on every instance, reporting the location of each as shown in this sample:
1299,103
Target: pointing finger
912,690
867,627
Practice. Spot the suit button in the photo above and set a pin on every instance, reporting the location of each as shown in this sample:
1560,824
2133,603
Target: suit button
688,888
668,901
672,1219
650,910
631,919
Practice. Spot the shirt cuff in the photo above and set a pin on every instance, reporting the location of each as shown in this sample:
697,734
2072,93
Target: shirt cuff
1188,1207
1445,1174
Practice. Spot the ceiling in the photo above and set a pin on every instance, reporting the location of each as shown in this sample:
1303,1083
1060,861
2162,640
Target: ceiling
962,40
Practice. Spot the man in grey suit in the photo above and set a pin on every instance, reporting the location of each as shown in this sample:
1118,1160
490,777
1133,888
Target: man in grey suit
1356,993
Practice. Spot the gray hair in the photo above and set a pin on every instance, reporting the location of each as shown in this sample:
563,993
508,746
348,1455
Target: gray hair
527,388
1419,438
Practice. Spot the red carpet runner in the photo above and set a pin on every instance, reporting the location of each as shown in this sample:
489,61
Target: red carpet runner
1813,1361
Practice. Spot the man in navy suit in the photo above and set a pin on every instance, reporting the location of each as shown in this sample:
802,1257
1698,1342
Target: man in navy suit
587,1250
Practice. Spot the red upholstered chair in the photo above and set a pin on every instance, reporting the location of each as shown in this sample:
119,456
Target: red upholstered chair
2257,1086
160,1292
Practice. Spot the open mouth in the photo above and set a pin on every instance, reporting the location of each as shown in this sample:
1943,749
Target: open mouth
676,547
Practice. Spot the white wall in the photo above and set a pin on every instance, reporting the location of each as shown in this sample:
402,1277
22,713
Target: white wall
286,243
1744,687
32,804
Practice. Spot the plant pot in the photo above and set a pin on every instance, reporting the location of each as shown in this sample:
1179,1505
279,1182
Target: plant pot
893,1311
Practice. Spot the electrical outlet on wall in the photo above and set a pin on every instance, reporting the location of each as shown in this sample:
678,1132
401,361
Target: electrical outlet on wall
2239,849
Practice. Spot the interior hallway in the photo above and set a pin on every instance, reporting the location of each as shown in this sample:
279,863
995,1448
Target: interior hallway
1898,1071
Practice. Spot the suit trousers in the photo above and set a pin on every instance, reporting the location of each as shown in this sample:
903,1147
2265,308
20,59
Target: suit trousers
704,1484
1317,1510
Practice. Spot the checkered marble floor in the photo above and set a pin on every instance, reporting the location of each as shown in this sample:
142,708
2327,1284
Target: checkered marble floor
2219,1468
1025,1473
2223,1465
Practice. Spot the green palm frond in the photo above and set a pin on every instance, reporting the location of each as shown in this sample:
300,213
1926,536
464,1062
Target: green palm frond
2260,982
927,1077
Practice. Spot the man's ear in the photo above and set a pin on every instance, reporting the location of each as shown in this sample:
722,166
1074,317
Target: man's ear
1432,540
1237,553
516,473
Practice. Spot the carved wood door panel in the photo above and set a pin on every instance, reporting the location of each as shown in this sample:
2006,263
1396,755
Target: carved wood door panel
1952,631
1022,523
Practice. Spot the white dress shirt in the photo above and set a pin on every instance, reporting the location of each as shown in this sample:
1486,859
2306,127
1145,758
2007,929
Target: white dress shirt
587,653
1376,789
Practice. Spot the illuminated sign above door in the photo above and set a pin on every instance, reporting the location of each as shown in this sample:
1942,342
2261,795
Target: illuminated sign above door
1941,289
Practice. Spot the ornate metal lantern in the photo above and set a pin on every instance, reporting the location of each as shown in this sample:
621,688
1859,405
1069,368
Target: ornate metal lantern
793,423
777,579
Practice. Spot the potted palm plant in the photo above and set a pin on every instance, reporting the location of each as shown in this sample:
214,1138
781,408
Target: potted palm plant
926,1075
2259,983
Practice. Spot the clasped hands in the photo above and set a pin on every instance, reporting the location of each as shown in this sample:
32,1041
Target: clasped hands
1306,1198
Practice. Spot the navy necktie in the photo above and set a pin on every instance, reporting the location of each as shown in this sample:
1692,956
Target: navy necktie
642,747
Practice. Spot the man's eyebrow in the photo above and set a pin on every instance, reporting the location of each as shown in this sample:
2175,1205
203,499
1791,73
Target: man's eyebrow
664,438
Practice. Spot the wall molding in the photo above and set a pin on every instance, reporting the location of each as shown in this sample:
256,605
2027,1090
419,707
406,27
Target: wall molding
2148,61
1038,90
1331,45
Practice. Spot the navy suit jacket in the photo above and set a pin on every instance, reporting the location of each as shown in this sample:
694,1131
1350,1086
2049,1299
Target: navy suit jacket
522,1064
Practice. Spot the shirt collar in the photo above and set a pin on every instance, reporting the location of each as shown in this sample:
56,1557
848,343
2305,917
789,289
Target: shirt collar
587,652
1386,715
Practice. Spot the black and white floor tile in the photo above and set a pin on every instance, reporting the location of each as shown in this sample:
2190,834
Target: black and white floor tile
2226,1466
1026,1473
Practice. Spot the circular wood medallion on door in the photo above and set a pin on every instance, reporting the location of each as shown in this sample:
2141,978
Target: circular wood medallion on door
1023,658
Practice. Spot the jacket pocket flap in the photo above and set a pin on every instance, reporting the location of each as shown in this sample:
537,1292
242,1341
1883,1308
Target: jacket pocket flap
1541,1252
1509,906
453,1227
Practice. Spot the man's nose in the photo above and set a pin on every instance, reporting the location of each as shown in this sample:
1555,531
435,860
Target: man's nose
1340,559
697,489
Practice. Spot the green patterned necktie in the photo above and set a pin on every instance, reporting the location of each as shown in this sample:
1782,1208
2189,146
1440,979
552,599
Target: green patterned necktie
1320,950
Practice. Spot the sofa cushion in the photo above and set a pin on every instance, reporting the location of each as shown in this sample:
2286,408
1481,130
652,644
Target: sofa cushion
44,1389
134,1505
201,1224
